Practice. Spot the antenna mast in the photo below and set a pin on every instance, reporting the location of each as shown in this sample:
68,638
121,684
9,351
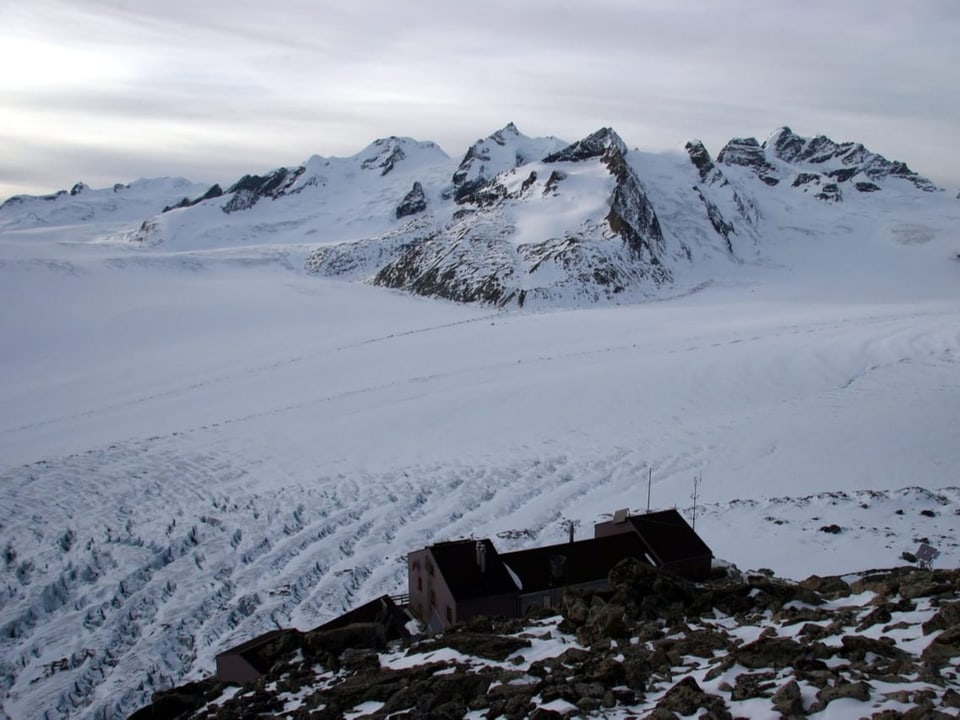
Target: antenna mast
571,526
696,488
649,483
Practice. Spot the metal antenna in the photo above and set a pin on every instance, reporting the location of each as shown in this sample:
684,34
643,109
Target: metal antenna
649,483
571,526
696,488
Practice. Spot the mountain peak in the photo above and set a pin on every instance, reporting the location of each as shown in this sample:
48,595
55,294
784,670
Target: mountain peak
784,143
384,153
508,129
700,157
594,145
747,152
840,161
502,150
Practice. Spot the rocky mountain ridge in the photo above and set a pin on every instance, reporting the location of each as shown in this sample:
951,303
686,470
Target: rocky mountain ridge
883,644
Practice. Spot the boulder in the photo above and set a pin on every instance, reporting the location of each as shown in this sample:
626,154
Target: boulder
857,691
829,587
686,697
753,685
788,700
944,647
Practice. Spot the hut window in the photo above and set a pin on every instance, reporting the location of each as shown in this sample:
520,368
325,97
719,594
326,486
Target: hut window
449,614
433,597
419,583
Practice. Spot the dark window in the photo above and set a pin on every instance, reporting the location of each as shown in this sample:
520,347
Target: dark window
430,567
449,614
433,597
419,583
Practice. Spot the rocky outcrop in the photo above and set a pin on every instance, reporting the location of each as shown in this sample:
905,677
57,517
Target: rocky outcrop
714,190
214,192
700,157
845,160
413,202
723,227
748,153
830,192
467,267
631,215
594,145
503,150
250,189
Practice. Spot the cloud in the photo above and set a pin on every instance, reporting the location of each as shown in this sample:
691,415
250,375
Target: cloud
216,86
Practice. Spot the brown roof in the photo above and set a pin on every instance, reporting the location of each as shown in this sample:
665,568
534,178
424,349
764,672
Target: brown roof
259,651
380,610
669,536
457,562
572,563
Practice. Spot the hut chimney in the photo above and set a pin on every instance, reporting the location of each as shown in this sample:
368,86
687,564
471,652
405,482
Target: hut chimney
481,556
571,527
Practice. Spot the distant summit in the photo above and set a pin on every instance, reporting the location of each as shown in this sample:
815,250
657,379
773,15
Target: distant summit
818,161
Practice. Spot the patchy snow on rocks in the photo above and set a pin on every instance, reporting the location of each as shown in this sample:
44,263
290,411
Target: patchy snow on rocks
881,644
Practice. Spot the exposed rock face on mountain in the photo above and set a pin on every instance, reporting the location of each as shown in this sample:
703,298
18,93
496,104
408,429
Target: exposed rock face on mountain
884,644
413,202
595,145
215,191
503,150
386,153
747,152
382,157
715,190
631,214
840,161
250,189
817,165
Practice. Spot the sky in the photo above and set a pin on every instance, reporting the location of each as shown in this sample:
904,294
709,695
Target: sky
105,91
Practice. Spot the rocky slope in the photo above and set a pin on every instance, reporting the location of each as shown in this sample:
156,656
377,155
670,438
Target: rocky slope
882,644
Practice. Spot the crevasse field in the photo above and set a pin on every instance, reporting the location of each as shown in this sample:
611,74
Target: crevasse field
197,446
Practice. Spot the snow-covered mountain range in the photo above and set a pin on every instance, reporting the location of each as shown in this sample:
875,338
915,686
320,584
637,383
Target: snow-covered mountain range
228,408
518,220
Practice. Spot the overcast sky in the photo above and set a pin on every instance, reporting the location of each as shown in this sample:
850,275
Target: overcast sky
107,91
